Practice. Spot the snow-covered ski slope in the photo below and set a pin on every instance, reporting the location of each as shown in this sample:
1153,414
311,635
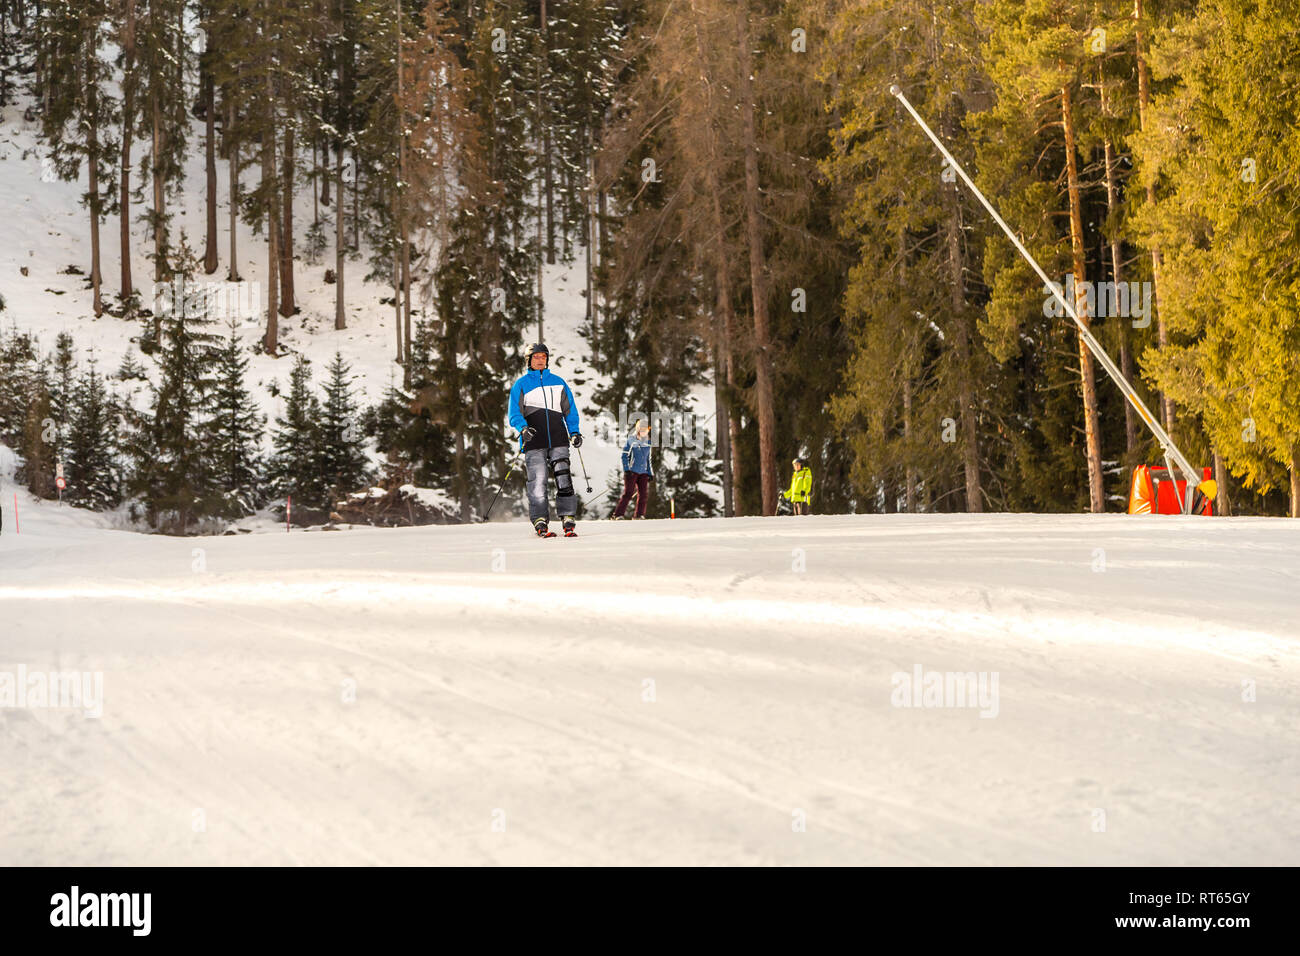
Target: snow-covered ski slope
722,691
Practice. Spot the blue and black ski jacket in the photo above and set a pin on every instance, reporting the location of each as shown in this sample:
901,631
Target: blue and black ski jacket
542,399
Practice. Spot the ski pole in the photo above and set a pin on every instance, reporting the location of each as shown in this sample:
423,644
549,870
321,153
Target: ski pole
513,463
585,476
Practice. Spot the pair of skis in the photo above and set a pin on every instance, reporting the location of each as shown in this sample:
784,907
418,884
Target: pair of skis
545,531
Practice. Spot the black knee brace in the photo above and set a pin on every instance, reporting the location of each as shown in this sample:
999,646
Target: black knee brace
563,480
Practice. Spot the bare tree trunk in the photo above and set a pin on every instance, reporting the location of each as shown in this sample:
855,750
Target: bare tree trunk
1125,355
909,471
129,83
462,479
315,185
158,144
757,274
478,457
96,206
724,421
233,155
406,300
400,200
547,176
587,208
340,199
210,257
325,199
400,357
733,421
356,204
602,244
288,303
962,347
1295,481
1091,423
545,184
272,341
1222,504
724,312
1144,104
340,244
541,299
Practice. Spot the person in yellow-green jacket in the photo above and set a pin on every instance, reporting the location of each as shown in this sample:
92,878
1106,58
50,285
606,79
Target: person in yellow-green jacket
800,493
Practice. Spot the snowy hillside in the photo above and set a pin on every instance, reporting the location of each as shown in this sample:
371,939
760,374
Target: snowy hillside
51,233
723,691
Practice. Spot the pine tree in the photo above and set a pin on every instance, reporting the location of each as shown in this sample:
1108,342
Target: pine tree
19,361
411,426
236,431
162,48
79,110
37,443
484,279
340,457
913,409
93,471
172,454
294,465
264,65
1217,156
63,387
1039,59
127,25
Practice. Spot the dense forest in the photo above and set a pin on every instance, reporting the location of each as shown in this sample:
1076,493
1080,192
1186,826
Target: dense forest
752,212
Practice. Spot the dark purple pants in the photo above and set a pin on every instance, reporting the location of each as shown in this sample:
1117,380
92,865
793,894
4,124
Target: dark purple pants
637,484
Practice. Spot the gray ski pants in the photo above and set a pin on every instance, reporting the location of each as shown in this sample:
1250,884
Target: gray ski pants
538,462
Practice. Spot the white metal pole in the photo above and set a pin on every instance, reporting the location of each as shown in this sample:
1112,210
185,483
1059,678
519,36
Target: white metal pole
1166,443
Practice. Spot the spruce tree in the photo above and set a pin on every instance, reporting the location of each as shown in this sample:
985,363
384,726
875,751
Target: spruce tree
39,437
18,363
412,426
236,431
1218,154
294,465
340,456
63,389
174,467
1040,62
93,470
162,45
80,110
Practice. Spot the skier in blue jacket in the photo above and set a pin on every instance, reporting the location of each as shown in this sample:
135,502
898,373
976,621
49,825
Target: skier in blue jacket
544,412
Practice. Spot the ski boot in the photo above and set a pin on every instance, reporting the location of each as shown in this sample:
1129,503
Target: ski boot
541,527
569,530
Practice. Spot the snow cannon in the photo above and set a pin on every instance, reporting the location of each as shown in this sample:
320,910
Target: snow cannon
1149,493
1156,491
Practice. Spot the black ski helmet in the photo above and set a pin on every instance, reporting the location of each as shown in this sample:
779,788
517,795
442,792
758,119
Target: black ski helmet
534,349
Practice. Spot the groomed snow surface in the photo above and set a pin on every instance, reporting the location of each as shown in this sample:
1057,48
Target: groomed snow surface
657,692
